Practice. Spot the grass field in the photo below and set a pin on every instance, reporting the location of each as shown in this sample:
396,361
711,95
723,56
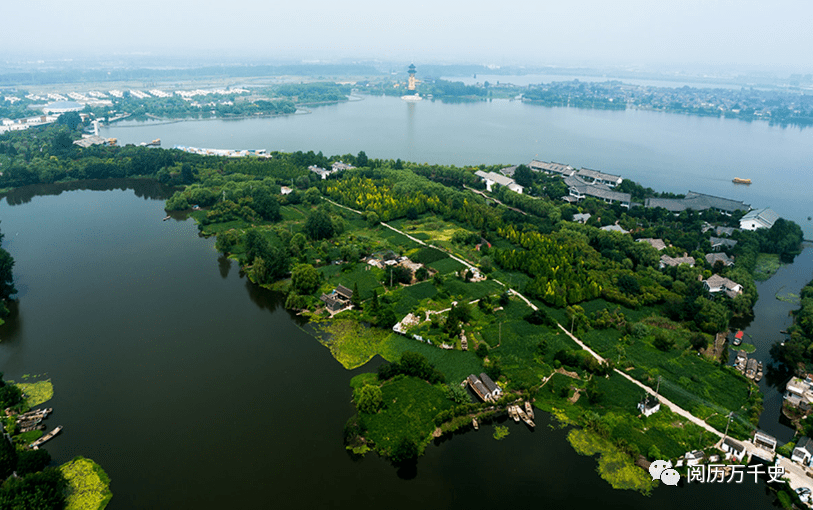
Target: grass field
446,266
408,297
455,365
410,405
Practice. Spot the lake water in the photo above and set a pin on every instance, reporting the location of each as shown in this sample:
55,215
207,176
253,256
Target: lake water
195,389
664,151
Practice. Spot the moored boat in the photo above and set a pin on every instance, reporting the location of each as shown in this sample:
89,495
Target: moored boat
738,180
738,338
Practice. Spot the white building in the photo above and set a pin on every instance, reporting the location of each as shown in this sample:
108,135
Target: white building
649,405
491,179
803,453
758,218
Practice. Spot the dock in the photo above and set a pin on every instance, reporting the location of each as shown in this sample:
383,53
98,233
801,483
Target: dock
50,435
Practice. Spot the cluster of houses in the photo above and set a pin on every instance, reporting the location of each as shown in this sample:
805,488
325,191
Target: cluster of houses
484,387
584,182
336,167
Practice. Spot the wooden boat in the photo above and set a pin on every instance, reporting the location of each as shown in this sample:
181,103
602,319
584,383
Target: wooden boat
738,180
738,338
167,218
36,444
475,424
529,410
758,377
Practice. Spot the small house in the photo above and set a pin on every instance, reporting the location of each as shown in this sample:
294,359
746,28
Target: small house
694,458
713,258
658,244
492,388
717,283
332,304
666,260
803,453
758,218
765,441
734,449
718,243
344,293
479,388
649,405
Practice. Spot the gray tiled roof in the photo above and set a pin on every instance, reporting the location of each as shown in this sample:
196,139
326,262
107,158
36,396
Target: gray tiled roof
596,190
697,202
765,216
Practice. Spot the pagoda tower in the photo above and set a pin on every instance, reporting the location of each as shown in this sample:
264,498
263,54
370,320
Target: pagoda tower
411,85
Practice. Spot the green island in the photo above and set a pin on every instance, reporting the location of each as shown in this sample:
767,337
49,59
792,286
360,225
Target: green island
420,265
30,481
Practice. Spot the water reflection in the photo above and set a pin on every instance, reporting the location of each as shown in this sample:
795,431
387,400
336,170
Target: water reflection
224,264
147,189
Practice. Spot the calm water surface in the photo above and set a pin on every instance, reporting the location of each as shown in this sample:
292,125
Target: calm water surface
664,151
194,389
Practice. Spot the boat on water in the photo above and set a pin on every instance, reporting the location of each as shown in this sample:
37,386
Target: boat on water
475,424
738,338
738,180
758,377
412,98
167,218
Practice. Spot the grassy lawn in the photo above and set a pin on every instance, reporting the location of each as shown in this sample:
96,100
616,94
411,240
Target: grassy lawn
88,485
410,405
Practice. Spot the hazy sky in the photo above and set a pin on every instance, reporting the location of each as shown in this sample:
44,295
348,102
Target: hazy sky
594,32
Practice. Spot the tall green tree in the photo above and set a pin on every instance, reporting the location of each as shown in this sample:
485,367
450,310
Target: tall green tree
305,279
318,225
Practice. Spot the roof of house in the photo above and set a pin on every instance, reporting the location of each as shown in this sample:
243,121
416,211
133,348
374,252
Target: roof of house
596,190
805,444
721,241
658,244
491,176
713,258
344,291
489,383
724,231
598,176
734,445
614,228
765,216
697,454
676,261
581,217
698,202
331,302
558,168
716,280
509,171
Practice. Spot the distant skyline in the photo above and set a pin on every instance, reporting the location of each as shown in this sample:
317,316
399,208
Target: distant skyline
641,33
